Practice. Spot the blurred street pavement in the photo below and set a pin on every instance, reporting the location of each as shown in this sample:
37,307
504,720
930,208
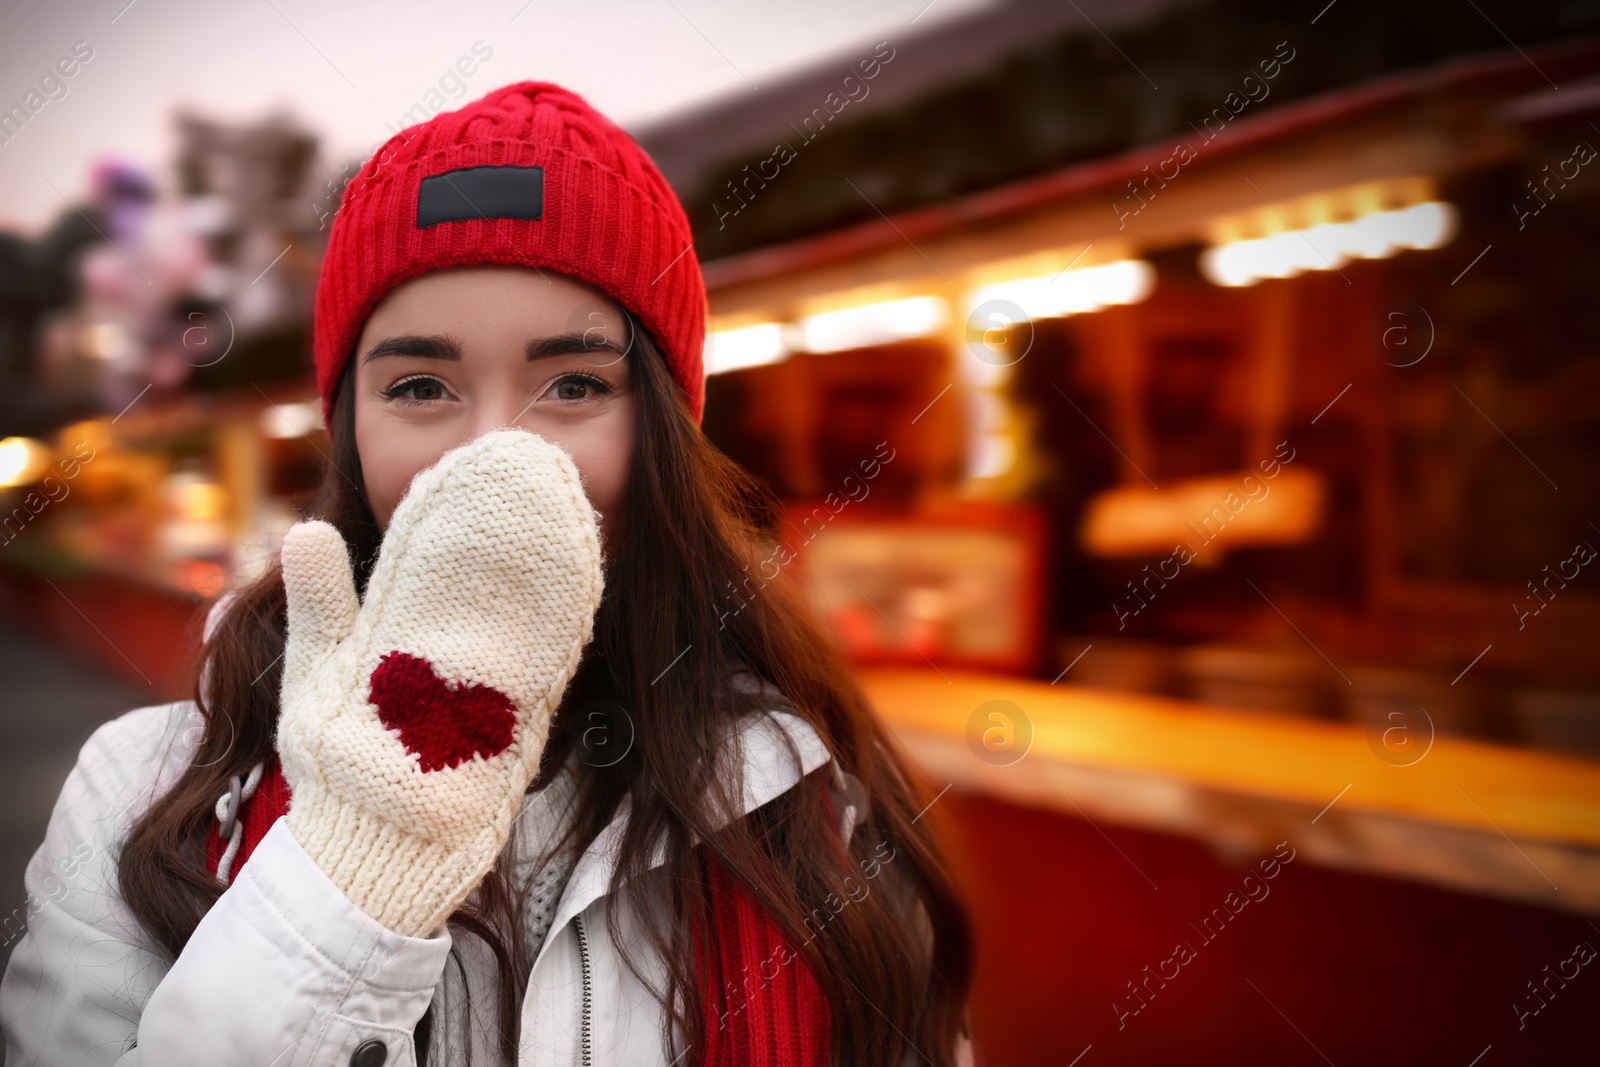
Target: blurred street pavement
51,702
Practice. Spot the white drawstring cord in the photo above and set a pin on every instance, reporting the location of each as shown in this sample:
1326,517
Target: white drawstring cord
230,826
849,789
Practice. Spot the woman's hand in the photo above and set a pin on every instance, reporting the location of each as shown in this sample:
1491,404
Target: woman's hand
413,721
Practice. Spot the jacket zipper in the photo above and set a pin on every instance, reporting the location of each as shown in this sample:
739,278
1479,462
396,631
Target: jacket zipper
588,992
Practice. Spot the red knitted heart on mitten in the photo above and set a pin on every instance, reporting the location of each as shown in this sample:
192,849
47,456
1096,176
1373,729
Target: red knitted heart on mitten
442,724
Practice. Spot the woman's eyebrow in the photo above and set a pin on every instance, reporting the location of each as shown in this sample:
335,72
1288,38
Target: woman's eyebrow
439,346
436,346
571,344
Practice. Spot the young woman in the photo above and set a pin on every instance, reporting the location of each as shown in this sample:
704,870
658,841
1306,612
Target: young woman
508,760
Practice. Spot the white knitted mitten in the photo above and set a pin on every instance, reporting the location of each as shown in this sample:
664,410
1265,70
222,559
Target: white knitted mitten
413,720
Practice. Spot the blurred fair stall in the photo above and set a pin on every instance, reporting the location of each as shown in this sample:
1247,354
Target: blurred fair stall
163,433
1174,492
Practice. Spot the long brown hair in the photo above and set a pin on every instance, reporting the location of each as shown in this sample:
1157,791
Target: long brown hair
675,613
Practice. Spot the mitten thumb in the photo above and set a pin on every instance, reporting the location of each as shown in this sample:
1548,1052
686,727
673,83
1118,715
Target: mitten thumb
321,596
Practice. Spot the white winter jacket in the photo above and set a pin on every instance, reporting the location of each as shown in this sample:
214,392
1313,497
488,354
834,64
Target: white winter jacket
284,971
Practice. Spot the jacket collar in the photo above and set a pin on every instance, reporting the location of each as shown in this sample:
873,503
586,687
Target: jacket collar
778,749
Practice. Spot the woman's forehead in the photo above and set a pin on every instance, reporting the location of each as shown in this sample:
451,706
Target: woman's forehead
469,302
528,289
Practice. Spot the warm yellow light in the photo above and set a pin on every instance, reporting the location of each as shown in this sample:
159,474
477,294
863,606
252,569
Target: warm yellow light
1375,232
105,340
1373,236
1228,264
22,461
1206,514
1072,292
1431,224
200,501
287,421
748,346
873,324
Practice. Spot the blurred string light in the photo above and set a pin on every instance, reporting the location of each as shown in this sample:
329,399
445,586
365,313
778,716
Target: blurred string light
836,330
884,322
1326,231
746,346
105,340
195,498
23,461
1073,292
288,421
873,324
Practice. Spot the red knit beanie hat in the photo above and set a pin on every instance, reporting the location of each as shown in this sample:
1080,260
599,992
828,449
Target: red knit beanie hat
530,174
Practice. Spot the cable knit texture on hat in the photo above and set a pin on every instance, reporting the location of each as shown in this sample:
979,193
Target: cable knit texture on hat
608,218
413,720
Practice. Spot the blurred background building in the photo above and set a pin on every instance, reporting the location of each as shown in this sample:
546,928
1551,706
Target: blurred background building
1188,416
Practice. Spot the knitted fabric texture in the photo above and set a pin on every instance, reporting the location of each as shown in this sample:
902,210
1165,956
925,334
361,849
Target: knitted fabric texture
604,213
763,1004
413,720
539,909
272,800
443,725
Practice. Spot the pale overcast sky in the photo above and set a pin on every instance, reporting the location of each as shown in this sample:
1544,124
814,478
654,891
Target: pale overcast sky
344,69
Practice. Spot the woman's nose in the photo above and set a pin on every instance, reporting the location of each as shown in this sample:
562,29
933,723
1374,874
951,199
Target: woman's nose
501,411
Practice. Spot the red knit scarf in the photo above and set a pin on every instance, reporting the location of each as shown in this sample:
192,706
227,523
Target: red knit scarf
764,1007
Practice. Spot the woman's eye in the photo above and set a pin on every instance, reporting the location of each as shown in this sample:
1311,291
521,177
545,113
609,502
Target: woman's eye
575,388
578,387
416,390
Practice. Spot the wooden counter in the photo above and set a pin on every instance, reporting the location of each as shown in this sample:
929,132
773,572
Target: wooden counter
1517,823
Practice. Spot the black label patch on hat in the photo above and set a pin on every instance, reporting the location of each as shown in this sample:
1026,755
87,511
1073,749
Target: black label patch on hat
481,193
